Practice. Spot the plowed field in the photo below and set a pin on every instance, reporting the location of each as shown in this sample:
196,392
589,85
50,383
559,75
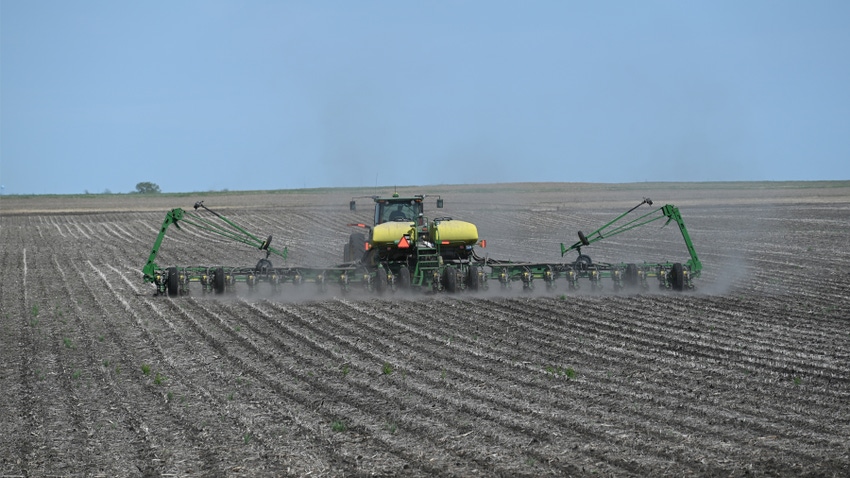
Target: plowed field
747,375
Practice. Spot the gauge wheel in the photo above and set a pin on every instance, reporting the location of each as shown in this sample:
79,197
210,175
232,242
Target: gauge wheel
381,280
472,282
264,266
404,278
677,277
450,279
583,262
173,282
631,278
218,280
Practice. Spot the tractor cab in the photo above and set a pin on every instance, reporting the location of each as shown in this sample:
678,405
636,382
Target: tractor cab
397,209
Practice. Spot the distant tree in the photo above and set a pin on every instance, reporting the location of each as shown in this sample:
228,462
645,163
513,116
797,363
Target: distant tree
147,188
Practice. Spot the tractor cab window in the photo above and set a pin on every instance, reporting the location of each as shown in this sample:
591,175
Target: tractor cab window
399,212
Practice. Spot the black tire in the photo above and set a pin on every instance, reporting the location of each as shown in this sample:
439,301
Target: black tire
356,246
583,263
404,281
173,282
631,277
677,277
472,279
381,280
450,279
346,253
218,281
583,239
264,266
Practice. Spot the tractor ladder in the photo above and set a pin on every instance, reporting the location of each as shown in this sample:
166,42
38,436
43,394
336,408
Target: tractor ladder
427,261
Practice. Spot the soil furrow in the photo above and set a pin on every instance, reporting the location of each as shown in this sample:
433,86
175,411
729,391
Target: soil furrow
130,350
320,397
510,405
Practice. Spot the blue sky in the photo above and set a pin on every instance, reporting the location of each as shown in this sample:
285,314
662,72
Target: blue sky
209,95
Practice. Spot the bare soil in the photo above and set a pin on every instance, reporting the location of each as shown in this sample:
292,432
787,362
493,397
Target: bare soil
749,375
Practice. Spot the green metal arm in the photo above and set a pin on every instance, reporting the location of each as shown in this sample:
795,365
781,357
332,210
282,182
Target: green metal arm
669,211
598,235
672,213
150,268
229,230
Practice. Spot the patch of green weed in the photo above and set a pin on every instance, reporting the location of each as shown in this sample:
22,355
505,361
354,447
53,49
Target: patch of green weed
569,372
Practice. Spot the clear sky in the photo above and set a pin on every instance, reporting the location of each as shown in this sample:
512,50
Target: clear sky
243,95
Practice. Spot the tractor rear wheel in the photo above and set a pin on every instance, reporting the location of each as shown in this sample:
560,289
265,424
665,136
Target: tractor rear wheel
356,246
677,277
218,280
173,282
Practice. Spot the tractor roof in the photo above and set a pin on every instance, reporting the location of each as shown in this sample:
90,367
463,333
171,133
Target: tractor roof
395,198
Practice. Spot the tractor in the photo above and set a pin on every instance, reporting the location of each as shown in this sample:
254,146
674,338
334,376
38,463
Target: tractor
407,250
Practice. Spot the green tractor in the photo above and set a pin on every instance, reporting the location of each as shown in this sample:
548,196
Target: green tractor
406,249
